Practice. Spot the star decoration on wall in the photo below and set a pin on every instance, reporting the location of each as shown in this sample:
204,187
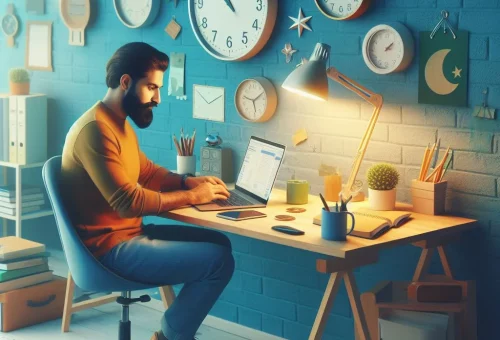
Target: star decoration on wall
457,72
288,51
300,22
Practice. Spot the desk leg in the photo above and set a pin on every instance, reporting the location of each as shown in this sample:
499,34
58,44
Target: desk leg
357,309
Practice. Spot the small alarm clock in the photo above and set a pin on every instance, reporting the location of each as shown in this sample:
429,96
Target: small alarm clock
213,140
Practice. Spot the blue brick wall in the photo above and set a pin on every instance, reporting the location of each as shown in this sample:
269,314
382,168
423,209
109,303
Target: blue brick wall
276,289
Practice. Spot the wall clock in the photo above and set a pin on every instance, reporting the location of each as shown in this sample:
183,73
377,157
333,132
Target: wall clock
136,13
233,30
256,99
388,48
10,25
343,9
75,15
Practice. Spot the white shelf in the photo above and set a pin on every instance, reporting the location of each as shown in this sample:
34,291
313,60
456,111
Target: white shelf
30,215
21,166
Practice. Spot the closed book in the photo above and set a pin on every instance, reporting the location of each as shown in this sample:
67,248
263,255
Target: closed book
24,198
24,262
7,275
23,204
10,190
369,223
12,211
12,247
25,281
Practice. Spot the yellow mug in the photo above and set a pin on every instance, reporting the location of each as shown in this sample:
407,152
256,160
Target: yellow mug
297,191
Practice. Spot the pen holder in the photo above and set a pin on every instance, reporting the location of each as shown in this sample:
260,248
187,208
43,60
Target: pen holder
333,187
428,198
297,192
186,165
334,224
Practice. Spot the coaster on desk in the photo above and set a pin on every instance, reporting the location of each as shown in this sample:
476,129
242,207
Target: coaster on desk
284,218
295,210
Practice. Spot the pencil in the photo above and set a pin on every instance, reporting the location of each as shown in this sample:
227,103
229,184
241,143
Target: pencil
440,166
192,141
426,152
429,159
448,162
176,143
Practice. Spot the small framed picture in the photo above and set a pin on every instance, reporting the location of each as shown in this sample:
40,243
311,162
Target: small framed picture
39,46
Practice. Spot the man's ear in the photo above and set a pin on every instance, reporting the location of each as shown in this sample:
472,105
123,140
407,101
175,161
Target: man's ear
125,82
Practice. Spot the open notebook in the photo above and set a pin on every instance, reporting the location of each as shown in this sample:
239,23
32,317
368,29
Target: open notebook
371,223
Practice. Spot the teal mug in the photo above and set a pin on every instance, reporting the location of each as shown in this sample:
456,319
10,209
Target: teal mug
334,224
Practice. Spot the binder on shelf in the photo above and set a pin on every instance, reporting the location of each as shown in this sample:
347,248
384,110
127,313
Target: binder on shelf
4,128
12,130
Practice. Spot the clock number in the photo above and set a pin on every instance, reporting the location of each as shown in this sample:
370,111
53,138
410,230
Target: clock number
349,7
259,5
255,25
229,42
333,5
341,9
215,34
245,38
200,4
204,22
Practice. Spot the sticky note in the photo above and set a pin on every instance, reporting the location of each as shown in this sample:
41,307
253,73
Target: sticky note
299,136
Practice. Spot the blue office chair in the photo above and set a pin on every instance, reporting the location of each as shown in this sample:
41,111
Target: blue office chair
87,273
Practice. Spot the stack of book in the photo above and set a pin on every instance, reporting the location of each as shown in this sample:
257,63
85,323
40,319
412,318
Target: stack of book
23,263
32,199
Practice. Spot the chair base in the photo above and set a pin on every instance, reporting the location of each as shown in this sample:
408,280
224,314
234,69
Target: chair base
124,331
166,292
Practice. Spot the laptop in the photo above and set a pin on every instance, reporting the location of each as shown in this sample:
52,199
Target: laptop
256,177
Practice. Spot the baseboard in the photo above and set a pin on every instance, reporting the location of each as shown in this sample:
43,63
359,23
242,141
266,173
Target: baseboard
223,325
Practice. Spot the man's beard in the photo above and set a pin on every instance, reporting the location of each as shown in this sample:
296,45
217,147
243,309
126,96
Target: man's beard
140,113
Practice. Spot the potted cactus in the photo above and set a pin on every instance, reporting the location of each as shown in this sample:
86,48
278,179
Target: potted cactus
382,181
19,81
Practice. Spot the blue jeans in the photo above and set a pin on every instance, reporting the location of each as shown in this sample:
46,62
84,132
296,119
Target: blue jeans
170,255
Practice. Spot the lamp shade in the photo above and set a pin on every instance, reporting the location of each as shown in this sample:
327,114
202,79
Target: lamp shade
310,79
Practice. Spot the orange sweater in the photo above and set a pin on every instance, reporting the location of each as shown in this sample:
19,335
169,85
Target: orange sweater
108,182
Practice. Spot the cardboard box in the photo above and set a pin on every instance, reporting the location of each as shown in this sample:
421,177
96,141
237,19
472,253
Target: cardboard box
32,305
428,198
409,325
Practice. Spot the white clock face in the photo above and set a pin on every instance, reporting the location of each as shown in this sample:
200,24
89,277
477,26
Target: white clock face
385,50
251,99
9,24
339,8
134,13
232,29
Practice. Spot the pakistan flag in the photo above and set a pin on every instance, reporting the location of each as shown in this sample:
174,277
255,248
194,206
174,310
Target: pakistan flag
443,68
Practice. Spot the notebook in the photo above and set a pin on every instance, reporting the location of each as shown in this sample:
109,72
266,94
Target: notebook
6,275
371,223
26,281
12,247
23,262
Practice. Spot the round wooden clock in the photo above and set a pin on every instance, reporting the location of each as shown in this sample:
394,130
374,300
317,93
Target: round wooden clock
233,30
343,9
10,25
388,48
136,13
256,99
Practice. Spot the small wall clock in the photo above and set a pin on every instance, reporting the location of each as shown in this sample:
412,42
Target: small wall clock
342,9
388,49
136,13
256,99
233,30
10,25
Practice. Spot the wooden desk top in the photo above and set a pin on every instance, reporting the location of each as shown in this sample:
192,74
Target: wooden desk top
420,228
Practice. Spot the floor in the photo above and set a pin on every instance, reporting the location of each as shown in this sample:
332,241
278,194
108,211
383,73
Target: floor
102,322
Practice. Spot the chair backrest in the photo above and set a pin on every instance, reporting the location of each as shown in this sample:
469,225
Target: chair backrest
87,272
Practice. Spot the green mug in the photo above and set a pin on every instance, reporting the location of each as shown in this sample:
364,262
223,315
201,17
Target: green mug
297,191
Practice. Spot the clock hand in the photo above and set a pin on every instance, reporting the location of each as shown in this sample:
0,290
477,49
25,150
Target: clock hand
254,109
230,5
389,47
246,97
203,97
215,99
258,96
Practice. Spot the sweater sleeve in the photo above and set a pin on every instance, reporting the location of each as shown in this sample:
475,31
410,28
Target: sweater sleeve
151,176
98,150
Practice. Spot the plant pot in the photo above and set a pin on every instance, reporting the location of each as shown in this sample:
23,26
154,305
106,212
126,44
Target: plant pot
17,89
382,199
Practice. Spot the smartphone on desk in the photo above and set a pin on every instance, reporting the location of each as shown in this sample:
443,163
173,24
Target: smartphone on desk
241,215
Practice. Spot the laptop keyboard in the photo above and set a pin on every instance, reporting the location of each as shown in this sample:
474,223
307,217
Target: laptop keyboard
233,200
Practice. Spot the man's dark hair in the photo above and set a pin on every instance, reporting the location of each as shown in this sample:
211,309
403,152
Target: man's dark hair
134,59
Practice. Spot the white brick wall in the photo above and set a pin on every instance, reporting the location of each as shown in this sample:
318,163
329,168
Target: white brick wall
411,135
428,115
389,114
467,140
477,162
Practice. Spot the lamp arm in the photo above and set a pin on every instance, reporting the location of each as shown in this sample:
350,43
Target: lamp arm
373,98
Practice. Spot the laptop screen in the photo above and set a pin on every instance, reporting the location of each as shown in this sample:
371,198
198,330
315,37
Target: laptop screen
260,167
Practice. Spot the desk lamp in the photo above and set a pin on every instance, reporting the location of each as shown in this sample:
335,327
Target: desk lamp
311,80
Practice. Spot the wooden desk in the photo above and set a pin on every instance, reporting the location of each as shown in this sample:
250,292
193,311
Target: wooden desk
427,232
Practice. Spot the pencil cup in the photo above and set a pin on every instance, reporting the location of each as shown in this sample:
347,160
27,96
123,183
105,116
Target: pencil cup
186,165
428,198
297,192
334,224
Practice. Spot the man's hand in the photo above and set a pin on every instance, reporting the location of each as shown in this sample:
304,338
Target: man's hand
207,192
193,182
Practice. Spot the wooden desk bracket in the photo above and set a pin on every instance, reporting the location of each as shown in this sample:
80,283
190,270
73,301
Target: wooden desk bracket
335,264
